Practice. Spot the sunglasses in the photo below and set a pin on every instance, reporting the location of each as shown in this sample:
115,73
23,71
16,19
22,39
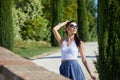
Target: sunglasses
73,26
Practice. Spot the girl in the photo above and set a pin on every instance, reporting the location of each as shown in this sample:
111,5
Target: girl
70,47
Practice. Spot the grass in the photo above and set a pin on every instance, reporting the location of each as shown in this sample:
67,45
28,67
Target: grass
31,52
29,49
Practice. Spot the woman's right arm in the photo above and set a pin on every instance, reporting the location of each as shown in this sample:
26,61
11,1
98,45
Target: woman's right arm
56,33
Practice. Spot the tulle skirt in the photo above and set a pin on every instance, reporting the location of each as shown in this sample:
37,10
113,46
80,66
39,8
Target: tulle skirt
71,69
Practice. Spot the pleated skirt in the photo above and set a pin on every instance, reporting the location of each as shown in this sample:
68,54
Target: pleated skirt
71,69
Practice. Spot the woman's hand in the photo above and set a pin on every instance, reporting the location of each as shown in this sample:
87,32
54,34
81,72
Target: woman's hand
93,77
63,23
66,22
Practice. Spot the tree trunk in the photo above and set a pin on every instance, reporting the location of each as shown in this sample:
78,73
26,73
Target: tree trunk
6,25
108,64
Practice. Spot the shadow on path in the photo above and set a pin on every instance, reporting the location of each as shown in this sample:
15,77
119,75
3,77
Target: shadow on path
53,57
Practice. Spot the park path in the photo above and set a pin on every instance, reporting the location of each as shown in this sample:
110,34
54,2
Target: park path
53,60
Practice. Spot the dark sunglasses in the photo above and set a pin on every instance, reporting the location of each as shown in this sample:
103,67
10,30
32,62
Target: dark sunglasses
73,26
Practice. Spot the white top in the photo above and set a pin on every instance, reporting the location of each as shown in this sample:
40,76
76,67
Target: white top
69,52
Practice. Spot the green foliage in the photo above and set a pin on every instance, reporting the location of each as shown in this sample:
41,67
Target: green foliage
29,21
29,8
57,17
82,21
47,9
6,24
91,19
70,10
70,13
40,12
108,64
35,29
91,7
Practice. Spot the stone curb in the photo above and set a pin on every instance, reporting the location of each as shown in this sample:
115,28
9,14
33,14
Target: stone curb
14,67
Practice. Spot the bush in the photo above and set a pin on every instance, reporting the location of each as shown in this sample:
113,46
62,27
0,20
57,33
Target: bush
35,29
28,21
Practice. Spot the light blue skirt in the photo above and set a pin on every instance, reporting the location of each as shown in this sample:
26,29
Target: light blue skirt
71,69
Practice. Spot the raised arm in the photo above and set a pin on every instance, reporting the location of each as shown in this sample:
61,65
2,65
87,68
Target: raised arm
82,52
56,33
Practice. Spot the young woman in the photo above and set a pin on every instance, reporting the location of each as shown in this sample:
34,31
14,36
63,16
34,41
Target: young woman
70,47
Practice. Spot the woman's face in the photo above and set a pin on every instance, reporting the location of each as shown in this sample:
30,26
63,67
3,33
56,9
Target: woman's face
72,28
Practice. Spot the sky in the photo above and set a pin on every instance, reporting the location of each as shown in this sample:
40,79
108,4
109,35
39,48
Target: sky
96,1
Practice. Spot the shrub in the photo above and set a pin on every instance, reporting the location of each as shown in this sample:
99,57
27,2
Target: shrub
35,29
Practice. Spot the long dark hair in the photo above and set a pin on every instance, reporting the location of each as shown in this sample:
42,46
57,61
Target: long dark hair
76,36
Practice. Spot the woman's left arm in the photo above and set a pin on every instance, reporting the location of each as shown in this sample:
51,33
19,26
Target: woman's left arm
82,53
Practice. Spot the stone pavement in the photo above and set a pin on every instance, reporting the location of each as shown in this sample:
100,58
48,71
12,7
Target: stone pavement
53,61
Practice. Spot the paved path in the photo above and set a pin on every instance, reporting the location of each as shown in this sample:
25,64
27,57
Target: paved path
53,61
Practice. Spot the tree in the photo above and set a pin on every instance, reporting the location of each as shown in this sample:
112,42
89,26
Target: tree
108,64
6,24
82,21
91,19
70,13
47,9
29,21
70,10
57,17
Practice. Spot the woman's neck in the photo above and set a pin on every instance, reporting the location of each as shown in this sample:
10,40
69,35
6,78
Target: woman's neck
70,37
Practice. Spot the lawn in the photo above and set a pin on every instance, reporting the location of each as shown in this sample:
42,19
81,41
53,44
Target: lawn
31,52
29,49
